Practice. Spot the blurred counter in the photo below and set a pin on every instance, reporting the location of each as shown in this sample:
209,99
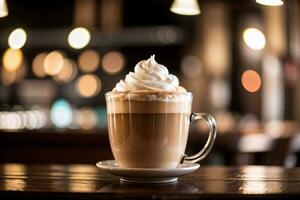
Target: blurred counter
74,146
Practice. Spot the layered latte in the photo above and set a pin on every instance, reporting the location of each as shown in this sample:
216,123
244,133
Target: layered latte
148,118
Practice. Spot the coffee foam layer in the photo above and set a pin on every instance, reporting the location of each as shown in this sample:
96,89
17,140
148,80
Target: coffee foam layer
145,95
133,106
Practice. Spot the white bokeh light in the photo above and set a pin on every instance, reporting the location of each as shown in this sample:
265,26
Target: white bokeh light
17,38
254,38
79,38
270,2
185,7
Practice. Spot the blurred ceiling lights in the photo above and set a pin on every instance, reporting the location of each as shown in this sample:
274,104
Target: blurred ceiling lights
88,85
254,38
38,65
79,38
270,2
185,7
17,38
113,62
53,63
67,73
88,61
251,81
3,8
12,59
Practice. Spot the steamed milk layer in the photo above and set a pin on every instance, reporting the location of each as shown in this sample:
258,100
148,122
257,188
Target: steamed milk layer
148,123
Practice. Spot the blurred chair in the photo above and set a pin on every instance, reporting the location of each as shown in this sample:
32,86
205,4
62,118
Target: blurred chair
293,158
261,149
236,148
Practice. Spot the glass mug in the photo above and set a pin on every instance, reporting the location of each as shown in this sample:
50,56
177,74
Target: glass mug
150,129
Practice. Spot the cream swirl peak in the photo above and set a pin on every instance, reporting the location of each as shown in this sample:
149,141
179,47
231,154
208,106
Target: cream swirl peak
149,75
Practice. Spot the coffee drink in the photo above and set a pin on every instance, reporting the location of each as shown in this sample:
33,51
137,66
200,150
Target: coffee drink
148,118
148,133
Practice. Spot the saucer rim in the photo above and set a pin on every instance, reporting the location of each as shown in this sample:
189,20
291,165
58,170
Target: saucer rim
189,166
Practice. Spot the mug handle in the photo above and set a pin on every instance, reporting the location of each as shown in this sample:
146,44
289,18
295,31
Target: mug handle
210,141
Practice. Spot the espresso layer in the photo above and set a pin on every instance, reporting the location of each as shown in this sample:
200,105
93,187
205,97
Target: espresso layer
148,140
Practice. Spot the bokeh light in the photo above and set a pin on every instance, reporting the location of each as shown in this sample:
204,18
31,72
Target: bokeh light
88,85
79,38
270,2
185,7
32,120
220,94
166,35
38,65
19,119
21,72
12,59
113,62
41,119
191,66
10,120
88,61
86,118
3,8
10,77
251,81
254,38
67,73
61,113
17,38
7,77
102,117
53,63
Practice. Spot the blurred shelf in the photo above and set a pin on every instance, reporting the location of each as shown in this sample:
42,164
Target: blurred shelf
50,147
135,36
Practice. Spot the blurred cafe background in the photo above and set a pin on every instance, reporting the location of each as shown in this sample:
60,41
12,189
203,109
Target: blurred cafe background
240,59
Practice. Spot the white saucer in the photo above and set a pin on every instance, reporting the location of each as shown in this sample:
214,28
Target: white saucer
147,175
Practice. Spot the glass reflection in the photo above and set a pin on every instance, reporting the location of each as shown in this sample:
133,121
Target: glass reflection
255,180
11,182
178,187
81,178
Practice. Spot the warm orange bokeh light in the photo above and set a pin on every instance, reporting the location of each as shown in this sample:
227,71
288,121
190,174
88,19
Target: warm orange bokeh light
86,118
38,65
53,63
251,81
88,85
12,59
7,77
113,62
88,61
67,73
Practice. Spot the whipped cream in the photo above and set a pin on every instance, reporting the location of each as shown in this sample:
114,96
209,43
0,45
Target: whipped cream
148,75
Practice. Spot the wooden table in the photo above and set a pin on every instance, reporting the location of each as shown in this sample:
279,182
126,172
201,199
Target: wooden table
19,181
